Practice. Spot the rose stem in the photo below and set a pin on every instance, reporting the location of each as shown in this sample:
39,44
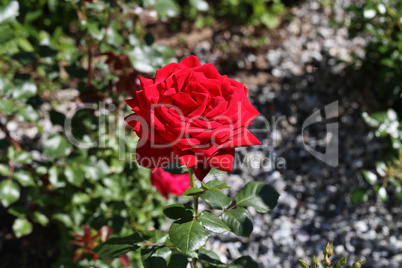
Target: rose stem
195,198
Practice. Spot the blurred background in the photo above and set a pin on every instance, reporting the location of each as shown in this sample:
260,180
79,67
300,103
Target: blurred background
295,57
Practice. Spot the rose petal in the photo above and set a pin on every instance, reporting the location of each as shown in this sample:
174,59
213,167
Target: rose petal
151,157
164,72
167,183
188,160
223,160
190,62
208,70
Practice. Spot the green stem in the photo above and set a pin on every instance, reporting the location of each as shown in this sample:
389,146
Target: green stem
195,198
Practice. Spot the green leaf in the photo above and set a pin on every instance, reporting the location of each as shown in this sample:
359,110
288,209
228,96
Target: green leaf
392,115
118,246
146,59
7,106
209,257
359,195
54,173
11,153
382,193
200,5
9,11
141,63
80,198
370,177
212,222
4,170
9,192
24,178
24,91
56,146
156,236
74,175
238,221
149,38
155,257
380,117
17,211
64,218
24,44
244,262
342,261
113,35
25,58
188,236
193,191
5,84
96,32
270,20
215,185
216,172
216,200
258,195
23,157
7,34
178,261
40,218
381,168
164,8
28,113
178,211
21,227
175,168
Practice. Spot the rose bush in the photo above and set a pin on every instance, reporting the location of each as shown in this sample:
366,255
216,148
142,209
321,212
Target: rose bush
191,114
167,183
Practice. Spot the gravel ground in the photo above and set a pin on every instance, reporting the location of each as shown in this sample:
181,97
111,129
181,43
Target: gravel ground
296,75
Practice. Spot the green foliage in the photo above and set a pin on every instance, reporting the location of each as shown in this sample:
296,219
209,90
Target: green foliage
188,233
66,68
387,176
379,21
252,12
54,56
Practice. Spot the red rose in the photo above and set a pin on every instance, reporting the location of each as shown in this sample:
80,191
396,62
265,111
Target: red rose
167,183
191,114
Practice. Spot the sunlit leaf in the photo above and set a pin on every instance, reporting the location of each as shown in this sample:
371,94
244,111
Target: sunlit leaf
238,221
188,236
258,195
21,227
9,192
